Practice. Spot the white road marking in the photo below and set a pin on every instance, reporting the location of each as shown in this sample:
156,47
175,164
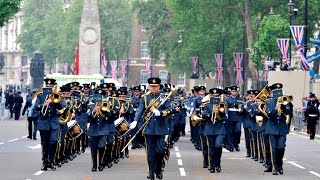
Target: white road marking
38,173
24,136
178,155
314,173
180,162
176,148
1,143
28,179
182,172
13,140
305,137
297,165
38,146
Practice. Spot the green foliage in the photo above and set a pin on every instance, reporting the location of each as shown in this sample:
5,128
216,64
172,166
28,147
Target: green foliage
8,9
116,26
271,28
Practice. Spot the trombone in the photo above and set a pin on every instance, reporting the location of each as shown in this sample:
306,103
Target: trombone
55,97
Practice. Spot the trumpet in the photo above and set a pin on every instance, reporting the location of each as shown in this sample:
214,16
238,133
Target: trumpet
218,108
102,108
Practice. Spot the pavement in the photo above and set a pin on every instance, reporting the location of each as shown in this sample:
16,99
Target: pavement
20,159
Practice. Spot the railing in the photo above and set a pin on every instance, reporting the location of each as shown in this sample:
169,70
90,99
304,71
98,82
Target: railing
298,123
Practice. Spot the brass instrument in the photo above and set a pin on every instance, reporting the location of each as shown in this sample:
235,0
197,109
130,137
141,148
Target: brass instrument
103,107
66,116
195,119
262,108
35,95
263,94
284,100
55,97
218,108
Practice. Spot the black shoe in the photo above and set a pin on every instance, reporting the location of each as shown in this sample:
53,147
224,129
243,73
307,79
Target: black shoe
127,154
281,171
218,168
59,164
109,165
44,168
159,175
269,169
52,166
212,170
275,172
29,137
34,138
256,159
100,167
205,166
183,134
261,161
78,152
94,169
248,155
237,148
83,150
151,178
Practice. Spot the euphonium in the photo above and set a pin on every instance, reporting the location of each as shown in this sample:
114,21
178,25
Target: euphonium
263,94
65,117
262,109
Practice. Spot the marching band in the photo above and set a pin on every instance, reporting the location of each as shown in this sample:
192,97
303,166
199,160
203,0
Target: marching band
73,117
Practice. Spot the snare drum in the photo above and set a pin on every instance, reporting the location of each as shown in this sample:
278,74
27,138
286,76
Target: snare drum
74,129
121,125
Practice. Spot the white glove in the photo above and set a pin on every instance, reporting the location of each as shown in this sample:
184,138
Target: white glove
133,124
156,112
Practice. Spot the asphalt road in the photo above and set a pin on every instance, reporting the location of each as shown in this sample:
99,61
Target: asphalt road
20,159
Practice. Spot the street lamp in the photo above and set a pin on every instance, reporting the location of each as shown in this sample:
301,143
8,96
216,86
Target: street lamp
291,9
223,34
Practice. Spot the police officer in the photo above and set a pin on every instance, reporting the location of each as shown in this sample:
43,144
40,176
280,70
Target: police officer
155,127
277,127
214,128
18,101
312,114
233,123
48,125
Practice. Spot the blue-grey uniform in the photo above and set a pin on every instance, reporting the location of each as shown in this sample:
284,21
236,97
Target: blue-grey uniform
135,100
98,131
253,130
214,130
195,108
277,127
233,122
156,128
48,126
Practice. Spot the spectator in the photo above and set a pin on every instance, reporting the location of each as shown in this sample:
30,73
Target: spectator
312,115
11,102
32,115
18,100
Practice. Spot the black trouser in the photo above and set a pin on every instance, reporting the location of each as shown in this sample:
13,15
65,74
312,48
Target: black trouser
277,145
312,123
34,121
11,109
17,113
247,138
255,144
267,146
204,146
154,149
49,140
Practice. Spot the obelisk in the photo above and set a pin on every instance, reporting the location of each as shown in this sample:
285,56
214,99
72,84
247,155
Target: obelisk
89,42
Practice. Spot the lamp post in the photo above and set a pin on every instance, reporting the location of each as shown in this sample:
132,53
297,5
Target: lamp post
290,6
223,34
306,27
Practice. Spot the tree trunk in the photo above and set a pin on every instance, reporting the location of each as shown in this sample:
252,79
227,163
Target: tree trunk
249,39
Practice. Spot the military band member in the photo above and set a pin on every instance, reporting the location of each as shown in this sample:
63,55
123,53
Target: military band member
247,122
233,123
135,100
156,128
48,126
277,127
99,130
214,128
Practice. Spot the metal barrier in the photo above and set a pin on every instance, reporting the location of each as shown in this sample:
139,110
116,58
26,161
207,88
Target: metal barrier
298,123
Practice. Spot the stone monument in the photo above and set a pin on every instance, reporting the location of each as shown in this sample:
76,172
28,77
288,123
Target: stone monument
89,42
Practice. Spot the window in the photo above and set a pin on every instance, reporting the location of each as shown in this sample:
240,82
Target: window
163,75
24,60
144,50
143,77
181,80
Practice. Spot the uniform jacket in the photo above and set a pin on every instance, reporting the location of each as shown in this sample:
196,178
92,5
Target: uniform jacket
277,123
233,102
217,128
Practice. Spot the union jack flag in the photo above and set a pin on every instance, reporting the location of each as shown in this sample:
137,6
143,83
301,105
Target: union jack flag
123,64
103,62
238,67
147,63
283,45
219,59
114,69
297,32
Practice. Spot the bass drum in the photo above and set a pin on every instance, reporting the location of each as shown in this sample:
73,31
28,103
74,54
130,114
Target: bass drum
122,126
74,129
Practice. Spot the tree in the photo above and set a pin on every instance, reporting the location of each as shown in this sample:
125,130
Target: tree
8,9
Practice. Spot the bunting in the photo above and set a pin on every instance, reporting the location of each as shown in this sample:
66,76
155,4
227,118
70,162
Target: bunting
219,60
283,45
238,67
123,65
76,61
103,63
114,69
297,32
147,63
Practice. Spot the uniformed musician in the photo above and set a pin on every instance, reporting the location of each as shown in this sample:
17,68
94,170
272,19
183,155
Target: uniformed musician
135,100
214,128
156,127
48,125
277,127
